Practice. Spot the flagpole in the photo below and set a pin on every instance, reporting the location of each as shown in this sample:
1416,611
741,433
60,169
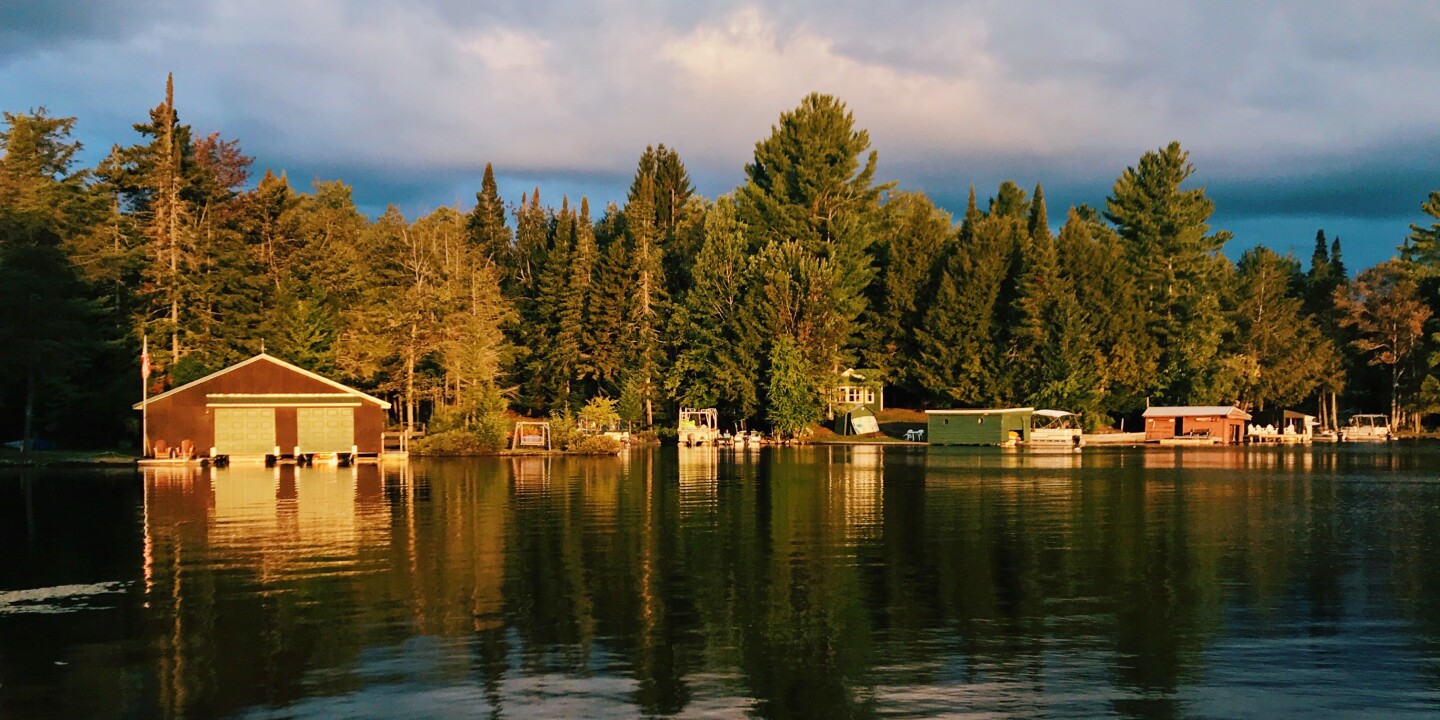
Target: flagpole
145,396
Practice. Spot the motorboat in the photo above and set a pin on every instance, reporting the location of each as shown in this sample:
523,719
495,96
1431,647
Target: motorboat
1055,428
1367,428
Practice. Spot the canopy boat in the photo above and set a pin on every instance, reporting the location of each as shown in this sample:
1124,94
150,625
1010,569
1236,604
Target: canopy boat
698,427
1055,428
1367,428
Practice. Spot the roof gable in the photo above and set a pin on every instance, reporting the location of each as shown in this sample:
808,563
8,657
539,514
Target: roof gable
275,361
1225,411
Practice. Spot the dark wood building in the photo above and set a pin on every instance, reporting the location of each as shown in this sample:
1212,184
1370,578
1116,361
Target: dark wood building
1219,424
264,406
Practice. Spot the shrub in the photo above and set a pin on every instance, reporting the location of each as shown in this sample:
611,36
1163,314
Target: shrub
563,430
595,445
452,443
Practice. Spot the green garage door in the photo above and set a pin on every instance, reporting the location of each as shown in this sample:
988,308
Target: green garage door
325,429
244,431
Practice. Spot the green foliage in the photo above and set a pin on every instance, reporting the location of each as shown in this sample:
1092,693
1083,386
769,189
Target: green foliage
564,430
599,413
749,304
1422,247
1180,277
452,443
795,390
595,445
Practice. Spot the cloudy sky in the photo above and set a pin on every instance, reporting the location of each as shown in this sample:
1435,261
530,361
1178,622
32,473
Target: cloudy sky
1298,115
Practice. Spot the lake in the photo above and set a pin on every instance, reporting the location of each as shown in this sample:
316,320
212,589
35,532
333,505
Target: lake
807,582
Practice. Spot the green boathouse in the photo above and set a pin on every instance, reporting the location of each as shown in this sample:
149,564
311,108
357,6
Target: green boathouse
998,426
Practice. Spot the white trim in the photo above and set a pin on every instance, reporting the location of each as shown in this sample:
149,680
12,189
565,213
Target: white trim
979,411
262,356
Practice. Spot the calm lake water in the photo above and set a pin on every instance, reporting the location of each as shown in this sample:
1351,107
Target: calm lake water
818,582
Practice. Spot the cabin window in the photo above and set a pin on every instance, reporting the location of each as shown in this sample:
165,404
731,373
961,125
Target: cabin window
854,395
980,420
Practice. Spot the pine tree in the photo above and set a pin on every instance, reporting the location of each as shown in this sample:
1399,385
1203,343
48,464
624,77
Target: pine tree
1167,240
1009,202
1280,351
718,347
1093,261
486,224
959,360
1039,222
915,235
1056,353
806,185
1422,246
571,349
648,300
971,219
607,303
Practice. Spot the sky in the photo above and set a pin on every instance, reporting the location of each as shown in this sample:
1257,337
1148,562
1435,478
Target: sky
1298,116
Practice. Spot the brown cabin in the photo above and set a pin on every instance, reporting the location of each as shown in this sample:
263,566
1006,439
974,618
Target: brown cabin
1223,423
264,406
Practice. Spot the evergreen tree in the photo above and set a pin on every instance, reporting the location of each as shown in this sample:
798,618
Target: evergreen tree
486,224
648,300
1422,247
806,185
914,236
571,348
1039,222
52,332
1280,356
971,219
959,361
607,304
1056,351
1009,202
1175,259
718,345
1094,263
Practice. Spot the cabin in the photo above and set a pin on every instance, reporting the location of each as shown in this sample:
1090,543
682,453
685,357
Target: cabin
996,426
1219,424
859,387
263,407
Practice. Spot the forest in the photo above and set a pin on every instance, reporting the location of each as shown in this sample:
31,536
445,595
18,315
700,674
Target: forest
752,302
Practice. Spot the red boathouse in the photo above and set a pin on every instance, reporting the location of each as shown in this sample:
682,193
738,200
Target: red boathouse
262,407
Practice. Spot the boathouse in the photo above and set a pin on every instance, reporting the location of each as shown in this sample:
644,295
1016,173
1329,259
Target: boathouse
996,426
1220,423
263,407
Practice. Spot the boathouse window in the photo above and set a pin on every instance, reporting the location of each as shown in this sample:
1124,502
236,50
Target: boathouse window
980,420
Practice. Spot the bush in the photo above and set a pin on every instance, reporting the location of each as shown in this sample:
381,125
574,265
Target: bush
564,431
452,443
595,445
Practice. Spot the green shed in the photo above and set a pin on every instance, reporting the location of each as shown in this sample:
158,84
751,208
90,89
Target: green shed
997,426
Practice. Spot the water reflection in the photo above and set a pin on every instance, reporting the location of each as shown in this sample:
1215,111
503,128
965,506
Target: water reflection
823,582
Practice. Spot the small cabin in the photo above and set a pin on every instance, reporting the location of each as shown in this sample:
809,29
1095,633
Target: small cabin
859,387
1221,424
263,407
996,426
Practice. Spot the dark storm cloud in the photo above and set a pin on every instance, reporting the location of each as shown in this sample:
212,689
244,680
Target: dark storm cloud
1288,109
27,26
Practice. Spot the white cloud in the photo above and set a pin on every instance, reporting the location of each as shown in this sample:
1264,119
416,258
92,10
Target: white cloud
544,89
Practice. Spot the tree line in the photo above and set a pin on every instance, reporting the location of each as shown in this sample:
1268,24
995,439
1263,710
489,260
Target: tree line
752,302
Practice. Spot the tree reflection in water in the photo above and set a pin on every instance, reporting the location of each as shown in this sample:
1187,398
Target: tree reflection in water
823,582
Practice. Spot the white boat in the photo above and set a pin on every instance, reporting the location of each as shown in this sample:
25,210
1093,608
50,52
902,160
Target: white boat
1367,428
698,427
1055,428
